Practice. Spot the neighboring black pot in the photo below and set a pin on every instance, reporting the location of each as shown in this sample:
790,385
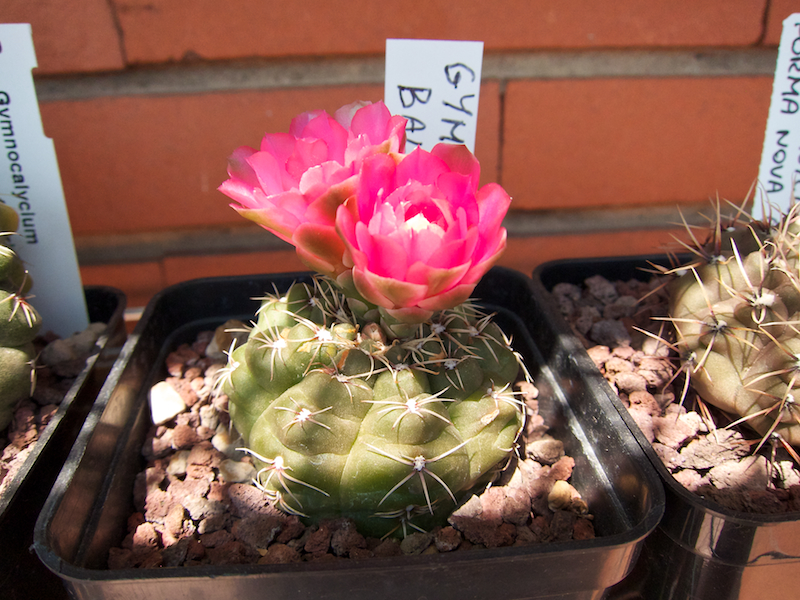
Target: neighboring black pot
700,550
86,513
21,575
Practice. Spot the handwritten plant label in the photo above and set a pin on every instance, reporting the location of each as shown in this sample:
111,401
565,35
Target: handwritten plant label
435,84
30,183
779,172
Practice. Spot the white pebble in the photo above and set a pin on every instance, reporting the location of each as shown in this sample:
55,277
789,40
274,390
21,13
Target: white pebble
225,442
165,403
209,417
234,471
788,474
177,464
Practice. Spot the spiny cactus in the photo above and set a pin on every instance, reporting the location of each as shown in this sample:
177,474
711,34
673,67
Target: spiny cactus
19,324
736,311
343,418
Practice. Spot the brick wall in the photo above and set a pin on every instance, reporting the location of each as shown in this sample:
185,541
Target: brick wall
599,119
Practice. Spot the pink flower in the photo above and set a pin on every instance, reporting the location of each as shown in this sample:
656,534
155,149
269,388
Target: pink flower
294,183
419,232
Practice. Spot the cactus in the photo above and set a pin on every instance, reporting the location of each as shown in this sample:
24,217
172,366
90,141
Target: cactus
343,418
380,393
19,324
736,311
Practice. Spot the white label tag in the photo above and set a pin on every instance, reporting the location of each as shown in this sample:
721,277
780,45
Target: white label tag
779,172
435,84
30,182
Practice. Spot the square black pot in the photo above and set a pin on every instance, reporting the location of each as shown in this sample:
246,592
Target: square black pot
85,514
700,550
21,575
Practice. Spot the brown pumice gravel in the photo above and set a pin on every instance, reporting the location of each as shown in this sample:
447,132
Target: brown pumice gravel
701,453
196,505
60,361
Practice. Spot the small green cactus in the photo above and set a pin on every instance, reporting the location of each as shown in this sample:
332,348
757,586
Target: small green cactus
342,418
736,311
19,324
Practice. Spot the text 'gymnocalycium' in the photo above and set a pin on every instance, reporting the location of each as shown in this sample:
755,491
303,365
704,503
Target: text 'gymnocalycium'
380,392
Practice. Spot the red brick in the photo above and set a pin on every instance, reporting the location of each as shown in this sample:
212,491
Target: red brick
487,137
778,11
577,143
152,163
139,281
164,30
184,268
69,35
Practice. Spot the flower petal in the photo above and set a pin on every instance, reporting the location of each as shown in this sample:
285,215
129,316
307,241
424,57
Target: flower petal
459,160
320,248
386,291
436,280
452,297
301,177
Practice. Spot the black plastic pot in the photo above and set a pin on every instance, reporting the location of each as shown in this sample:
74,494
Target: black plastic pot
700,550
85,514
21,574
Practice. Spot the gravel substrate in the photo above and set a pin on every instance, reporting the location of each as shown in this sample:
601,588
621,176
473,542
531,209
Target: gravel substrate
59,363
195,503
702,454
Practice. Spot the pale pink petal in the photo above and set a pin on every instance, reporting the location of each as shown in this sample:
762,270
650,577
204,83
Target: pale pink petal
319,247
307,153
423,245
240,191
460,160
327,130
344,116
298,125
454,252
436,280
396,134
386,291
420,166
376,180
385,256
371,120
322,209
238,168
493,203
384,221
316,180
280,145
283,227
268,172
483,264
460,194
452,297
346,219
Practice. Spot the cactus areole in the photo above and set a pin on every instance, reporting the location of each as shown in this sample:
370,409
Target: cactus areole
736,310
379,392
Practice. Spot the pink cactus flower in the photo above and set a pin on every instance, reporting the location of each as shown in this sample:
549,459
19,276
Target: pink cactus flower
294,183
419,232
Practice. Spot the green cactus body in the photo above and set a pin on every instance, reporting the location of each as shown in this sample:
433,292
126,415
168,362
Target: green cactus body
19,324
737,319
342,421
